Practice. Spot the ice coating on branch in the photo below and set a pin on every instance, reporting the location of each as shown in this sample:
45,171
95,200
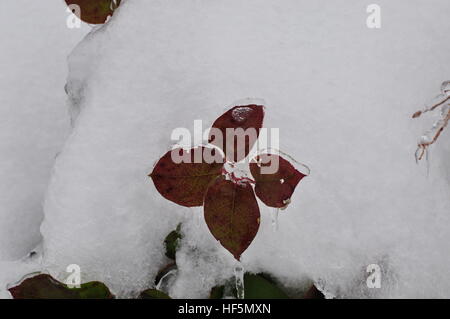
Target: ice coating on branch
445,88
364,198
430,137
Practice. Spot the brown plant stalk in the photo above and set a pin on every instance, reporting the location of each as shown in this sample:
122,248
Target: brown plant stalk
422,146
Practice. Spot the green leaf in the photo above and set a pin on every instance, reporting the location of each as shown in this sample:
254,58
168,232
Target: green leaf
232,214
217,292
171,242
185,183
43,286
153,294
258,287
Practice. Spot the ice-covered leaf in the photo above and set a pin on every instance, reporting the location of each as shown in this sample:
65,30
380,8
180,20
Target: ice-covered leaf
185,183
274,189
153,294
44,286
243,124
94,11
232,214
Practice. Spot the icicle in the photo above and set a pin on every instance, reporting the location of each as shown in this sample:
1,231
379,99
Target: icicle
113,5
275,213
239,276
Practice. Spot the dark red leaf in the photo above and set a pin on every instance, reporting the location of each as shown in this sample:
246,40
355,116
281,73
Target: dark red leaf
43,286
232,214
274,188
248,120
186,183
93,11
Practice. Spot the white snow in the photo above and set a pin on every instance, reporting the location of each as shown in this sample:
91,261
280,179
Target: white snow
35,42
342,96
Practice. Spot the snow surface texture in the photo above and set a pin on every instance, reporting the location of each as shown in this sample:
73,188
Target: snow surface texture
342,96
34,121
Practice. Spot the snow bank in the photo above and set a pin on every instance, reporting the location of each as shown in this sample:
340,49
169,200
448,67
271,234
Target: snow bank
35,42
342,96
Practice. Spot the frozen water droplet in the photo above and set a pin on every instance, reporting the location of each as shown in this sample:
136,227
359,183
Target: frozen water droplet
275,213
241,113
239,276
286,203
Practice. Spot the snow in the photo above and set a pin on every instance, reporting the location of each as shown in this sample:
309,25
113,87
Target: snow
342,96
35,42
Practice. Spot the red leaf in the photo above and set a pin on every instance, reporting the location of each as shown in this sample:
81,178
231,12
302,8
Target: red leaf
43,286
276,187
93,11
232,214
186,183
239,117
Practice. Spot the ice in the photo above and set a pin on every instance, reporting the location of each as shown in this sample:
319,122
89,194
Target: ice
160,65
432,135
437,101
166,281
239,280
14,272
35,42
239,114
445,88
